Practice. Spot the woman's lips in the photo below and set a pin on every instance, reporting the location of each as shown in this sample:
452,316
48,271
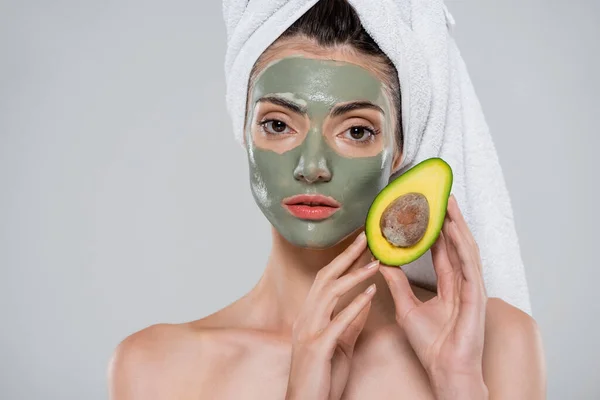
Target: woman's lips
311,206
310,212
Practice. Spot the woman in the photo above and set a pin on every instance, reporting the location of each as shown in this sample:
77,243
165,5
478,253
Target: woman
324,321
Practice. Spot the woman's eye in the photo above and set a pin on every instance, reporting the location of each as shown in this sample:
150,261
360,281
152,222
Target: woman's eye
359,133
275,127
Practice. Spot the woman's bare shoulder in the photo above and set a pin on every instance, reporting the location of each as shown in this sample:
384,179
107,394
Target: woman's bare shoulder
514,364
156,357
161,355
509,328
163,340
160,341
503,317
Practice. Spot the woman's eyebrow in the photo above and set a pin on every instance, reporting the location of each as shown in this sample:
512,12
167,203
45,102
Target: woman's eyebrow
279,101
355,105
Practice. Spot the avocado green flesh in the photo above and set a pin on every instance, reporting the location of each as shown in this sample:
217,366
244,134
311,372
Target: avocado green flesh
432,178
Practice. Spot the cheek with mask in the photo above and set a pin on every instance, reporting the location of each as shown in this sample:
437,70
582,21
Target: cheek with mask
320,147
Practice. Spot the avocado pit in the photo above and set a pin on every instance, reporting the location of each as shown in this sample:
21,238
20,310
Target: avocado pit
405,220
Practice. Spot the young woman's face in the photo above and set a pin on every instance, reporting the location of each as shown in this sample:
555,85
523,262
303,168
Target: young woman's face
320,141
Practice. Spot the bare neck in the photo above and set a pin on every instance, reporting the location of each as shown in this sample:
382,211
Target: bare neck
281,291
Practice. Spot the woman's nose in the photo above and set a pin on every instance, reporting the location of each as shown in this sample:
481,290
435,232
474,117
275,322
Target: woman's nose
312,166
312,169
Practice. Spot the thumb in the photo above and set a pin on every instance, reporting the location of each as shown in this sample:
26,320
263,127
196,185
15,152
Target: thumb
403,295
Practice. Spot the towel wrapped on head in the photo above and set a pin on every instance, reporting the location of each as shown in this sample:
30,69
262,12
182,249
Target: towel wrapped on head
441,116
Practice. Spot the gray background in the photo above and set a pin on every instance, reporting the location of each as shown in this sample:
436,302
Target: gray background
118,167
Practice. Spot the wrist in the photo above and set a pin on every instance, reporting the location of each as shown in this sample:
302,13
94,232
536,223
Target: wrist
452,386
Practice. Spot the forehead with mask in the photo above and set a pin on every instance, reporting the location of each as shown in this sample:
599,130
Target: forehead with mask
322,128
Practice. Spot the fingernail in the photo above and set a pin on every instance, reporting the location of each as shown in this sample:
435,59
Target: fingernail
361,236
372,265
370,289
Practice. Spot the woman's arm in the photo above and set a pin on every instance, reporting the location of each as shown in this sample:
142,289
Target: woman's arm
513,357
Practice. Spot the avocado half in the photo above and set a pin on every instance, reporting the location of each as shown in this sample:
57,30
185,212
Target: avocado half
424,188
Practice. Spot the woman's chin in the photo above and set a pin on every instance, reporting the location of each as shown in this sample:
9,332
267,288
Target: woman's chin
317,240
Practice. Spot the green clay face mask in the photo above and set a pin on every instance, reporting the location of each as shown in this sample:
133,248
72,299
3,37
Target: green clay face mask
314,165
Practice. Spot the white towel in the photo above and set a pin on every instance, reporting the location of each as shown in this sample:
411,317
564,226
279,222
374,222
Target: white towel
441,116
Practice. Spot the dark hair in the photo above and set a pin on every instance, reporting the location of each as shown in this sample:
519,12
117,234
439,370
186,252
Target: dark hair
335,22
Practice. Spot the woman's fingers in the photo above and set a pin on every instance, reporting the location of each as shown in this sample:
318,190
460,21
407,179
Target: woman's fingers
443,269
471,315
457,216
450,248
348,281
326,299
343,261
468,260
403,295
328,286
465,258
345,327
463,250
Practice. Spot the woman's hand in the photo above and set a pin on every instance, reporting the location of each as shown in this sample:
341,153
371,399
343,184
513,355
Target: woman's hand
447,331
322,348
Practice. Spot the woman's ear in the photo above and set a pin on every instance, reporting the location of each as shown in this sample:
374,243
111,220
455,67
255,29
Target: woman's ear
396,161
